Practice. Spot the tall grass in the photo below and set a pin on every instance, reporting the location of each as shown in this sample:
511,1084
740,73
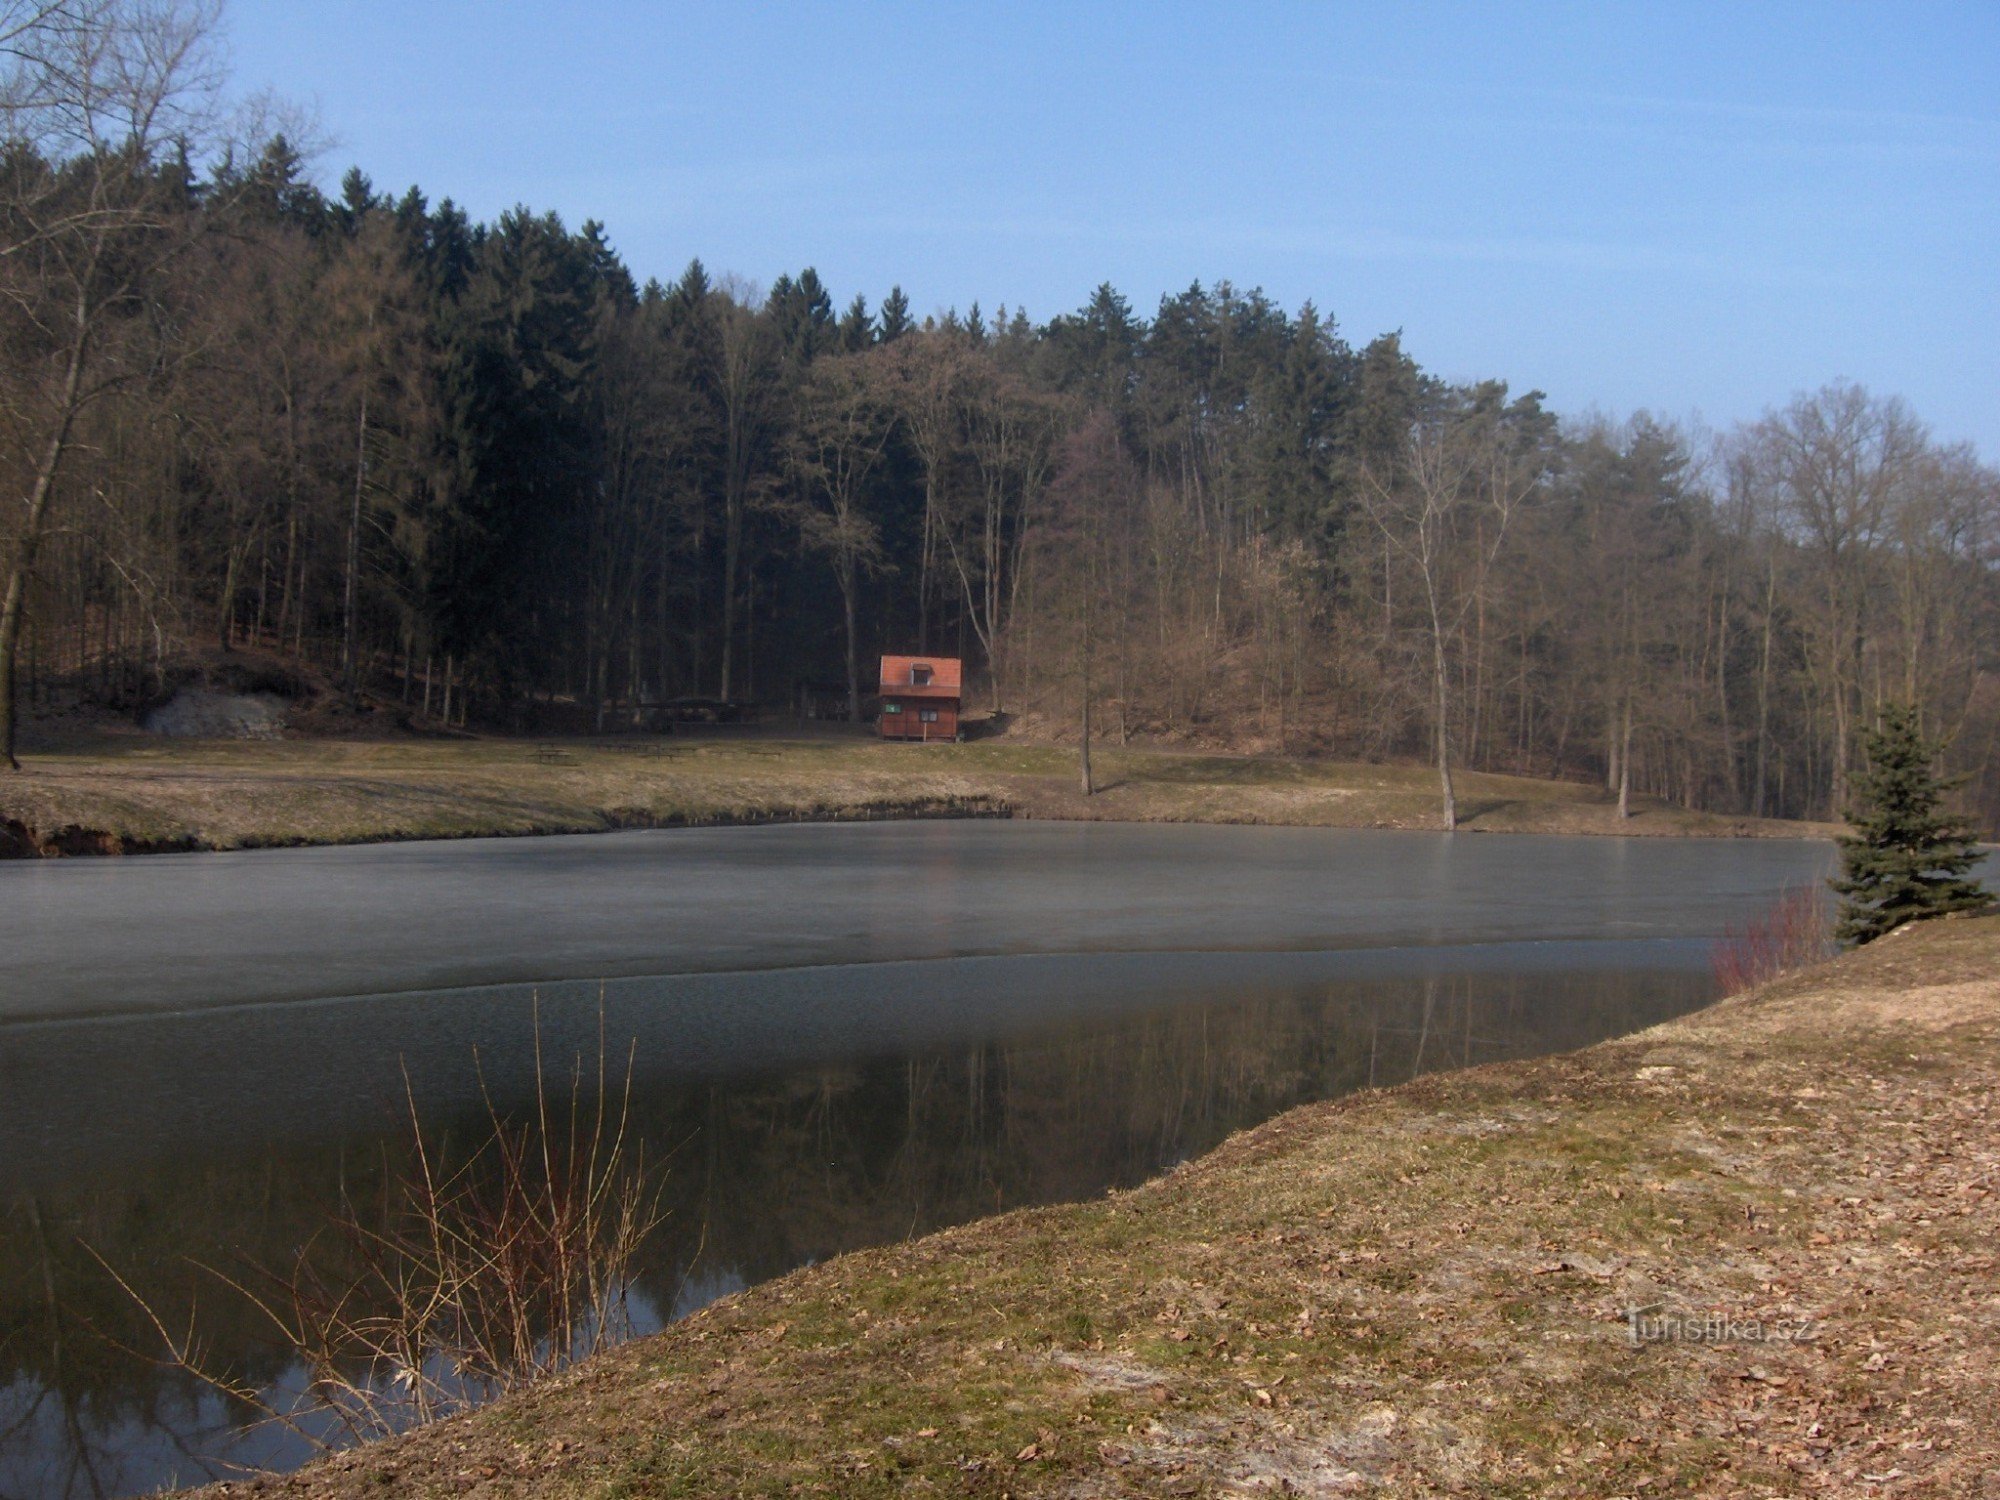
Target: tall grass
1794,932
474,1272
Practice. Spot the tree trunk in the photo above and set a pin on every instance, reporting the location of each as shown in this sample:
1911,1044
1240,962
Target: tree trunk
732,553
1757,799
1625,764
285,587
350,591
1732,771
1443,686
847,582
263,587
924,566
1083,744
225,608
1444,757
1475,729
749,688
14,602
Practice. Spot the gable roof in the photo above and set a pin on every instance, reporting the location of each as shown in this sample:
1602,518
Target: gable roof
945,676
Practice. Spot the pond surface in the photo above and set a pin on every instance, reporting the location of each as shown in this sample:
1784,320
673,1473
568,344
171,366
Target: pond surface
178,931
843,1035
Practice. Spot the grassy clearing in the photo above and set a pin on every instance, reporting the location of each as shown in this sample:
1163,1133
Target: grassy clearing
1420,1290
131,793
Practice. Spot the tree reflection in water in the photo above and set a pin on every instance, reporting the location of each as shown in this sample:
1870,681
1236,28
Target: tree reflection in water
766,1170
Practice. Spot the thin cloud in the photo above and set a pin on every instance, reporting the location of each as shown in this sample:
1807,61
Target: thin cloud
1219,239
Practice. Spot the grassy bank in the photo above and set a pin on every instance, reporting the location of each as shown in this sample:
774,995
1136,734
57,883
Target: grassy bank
1419,1290
132,794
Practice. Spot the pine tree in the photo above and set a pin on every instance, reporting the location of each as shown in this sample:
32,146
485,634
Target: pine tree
894,319
857,326
1908,859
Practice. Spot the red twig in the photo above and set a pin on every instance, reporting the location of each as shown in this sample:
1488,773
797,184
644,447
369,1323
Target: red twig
1794,932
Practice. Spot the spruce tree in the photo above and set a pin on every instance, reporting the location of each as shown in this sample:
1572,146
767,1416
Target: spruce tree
1908,858
894,320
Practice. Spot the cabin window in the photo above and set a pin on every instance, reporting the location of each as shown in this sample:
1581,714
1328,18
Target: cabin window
920,676
927,715
892,708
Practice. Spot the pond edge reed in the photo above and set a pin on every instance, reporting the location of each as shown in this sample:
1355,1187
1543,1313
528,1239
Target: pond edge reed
475,1273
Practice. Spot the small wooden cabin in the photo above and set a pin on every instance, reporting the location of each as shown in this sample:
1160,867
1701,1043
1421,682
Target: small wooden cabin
920,698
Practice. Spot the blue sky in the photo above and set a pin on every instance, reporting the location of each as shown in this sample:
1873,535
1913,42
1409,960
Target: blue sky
1694,209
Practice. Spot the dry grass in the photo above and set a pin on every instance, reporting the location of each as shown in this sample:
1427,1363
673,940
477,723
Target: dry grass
132,793
1418,1291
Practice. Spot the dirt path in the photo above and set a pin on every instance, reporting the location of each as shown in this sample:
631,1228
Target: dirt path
1422,1290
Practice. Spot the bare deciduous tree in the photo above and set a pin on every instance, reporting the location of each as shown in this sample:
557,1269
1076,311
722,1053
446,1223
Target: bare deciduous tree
844,425
90,92
1011,432
1444,510
1840,464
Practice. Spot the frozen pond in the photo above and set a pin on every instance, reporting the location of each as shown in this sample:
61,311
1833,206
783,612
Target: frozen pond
177,931
844,1035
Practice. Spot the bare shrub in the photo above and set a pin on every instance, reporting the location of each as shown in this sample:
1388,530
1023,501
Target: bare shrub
475,1273
1795,931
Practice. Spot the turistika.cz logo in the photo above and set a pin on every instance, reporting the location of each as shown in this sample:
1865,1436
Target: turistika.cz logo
1655,1325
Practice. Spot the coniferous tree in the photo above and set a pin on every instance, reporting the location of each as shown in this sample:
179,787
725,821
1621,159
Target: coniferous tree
857,326
1908,858
894,320
1300,399
801,312
1095,351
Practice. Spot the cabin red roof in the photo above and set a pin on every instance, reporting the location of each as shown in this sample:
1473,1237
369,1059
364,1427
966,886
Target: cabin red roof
903,676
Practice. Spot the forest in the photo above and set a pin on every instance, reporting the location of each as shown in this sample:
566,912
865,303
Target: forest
488,474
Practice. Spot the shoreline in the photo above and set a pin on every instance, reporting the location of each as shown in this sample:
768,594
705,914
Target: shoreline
138,797
71,841
1734,1253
